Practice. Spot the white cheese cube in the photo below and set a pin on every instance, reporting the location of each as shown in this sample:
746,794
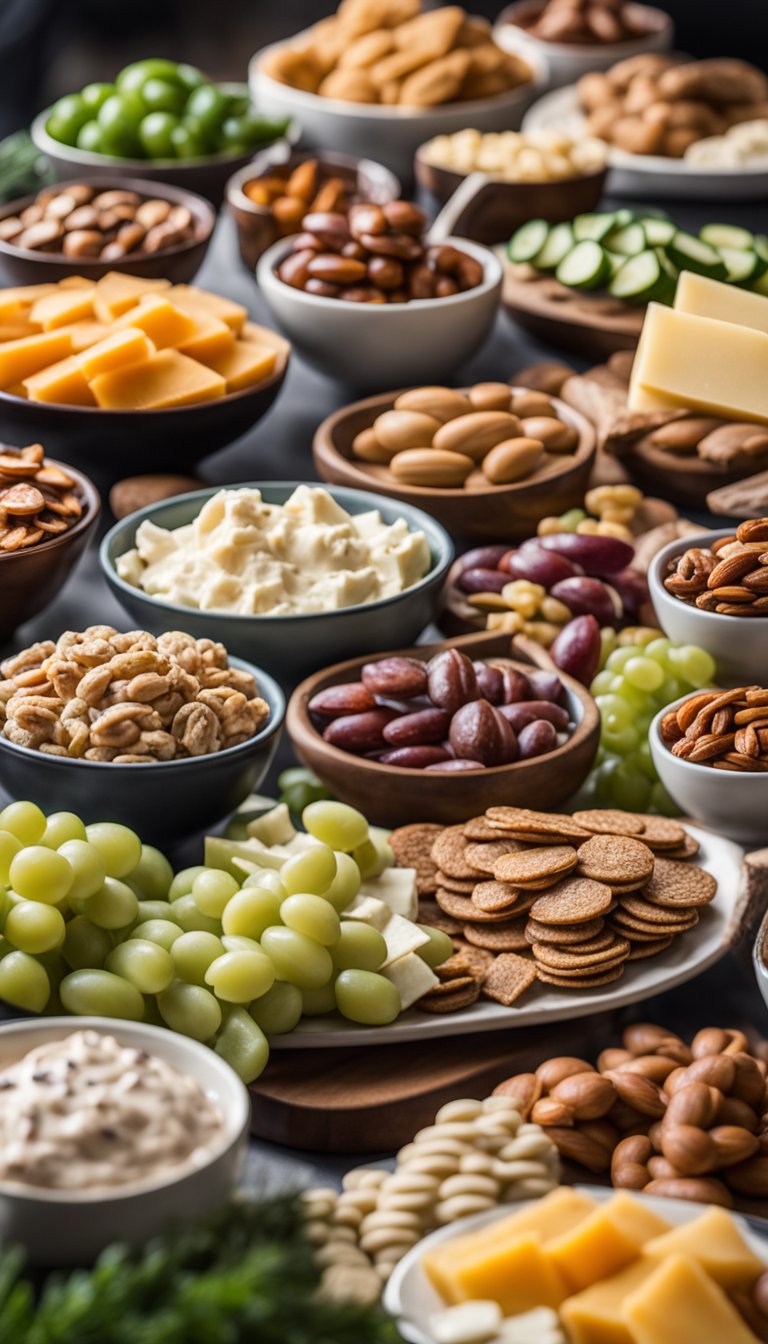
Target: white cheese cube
468,1323
402,936
274,827
370,911
540,1326
411,977
397,888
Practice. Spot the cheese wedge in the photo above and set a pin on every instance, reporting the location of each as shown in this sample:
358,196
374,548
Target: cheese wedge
243,365
605,1242
702,297
164,323
62,308
19,359
116,293
214,339
63,382
715,1241
166,379
85,334
596,1315
188,296
680,1304
114,352
17,300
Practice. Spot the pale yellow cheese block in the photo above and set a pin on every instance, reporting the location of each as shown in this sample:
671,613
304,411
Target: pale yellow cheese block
243,365
116,293
63,308
19,359
715,1241
167,379
680,1304
63,382
164,323
214,338
605,1242
189,297
517,1274
596,1315
115,351
701,363
702,297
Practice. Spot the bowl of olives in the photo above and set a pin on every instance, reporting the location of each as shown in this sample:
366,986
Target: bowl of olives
161,120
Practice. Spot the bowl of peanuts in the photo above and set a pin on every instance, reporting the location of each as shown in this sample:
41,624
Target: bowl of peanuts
577,37
48,513
90,226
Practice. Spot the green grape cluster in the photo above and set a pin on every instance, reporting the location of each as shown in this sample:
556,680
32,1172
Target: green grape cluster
640,673
96,923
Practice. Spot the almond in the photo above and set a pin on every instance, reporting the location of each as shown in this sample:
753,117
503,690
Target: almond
512,460
733,568
443,403
689,1149
553,1071
524,1090
578,1147
733,1144
477,433
699,1189
589,1095
402,429
639,1092
550,1111
696,1104
430,466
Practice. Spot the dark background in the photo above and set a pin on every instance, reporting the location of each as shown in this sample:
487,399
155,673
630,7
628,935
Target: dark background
50,47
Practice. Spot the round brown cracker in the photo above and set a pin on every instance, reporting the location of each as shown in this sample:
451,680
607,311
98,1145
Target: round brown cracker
524,820
688,850
509,937
464,885
412,848
636,935
508,978
482,857
563,935
495,896
615,859
608,821
535,865
588,982
448,853
450,996
661,832
630,926
652,948
598,944
435,918
557,960
641,909
477,958
576,900
673,885
461,908
478,829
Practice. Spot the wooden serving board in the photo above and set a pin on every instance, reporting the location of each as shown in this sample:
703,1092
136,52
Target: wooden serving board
682,480
589,324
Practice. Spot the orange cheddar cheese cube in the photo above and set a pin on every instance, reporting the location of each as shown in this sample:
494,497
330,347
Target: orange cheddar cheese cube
190,298
63,308
19,359
75,282
85,334
596,1315
213,340
63,382
681,1304
166,379
14,331
116,293
605,1242
115,351
164,323
16,301
243,365
715,1241
516,1274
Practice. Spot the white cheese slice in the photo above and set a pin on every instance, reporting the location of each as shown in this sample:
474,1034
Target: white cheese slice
411,977
402,936
274,827
467,1323
369,910
397,888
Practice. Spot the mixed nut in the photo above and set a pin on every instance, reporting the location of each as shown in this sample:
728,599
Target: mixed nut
730,577
516,156
81,222
725,729
583,22
306,189
375,254
38,498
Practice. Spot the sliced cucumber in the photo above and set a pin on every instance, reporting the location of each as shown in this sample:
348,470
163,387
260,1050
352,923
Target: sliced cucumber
594,226
727,235
629,240
528,240
585,267
638,278
691,254
615,261
760,286
625,216
659,232
742,266
557,246
761,246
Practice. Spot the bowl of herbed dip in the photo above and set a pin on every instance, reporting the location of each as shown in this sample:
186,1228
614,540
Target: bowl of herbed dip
109,1131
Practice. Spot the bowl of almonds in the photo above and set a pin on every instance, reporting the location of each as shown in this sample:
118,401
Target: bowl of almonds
88,228
48,512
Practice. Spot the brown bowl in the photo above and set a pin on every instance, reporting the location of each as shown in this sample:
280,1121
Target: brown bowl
501,207
257,228
30,579
477,511
393,796
24,266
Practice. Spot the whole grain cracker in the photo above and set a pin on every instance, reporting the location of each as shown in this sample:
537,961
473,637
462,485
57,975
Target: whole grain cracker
448,853
609,821
655,914
651,948
629,925
478,958
482,857
478,829
589,982
461,908
661,832
463,885
527,823
450,996
495,896
615,858
535,865
454,967
563,935
412,848
574,901
636,935
435,918
575,974
508,978
509,937
573,960
598,944
675,884
688,850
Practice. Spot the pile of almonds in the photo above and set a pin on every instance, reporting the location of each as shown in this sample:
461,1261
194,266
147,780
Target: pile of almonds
727,730
687,1122
38,498
729,577
583,22
79,221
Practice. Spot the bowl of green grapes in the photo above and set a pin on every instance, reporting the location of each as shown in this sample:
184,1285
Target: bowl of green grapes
161,120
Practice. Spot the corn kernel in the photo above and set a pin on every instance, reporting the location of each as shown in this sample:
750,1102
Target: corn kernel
588,528
508,622
552,609
542,632
607,529
523,596
549,527
617,514
487,601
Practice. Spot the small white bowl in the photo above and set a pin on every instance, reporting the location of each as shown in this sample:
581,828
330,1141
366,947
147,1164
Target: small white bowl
566,62
731,803
391,135
66,1227
738,644
378,346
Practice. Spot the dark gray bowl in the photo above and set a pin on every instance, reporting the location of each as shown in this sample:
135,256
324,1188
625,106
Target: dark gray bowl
161,802
290,647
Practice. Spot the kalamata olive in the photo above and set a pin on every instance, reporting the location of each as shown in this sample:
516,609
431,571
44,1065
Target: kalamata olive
453,767
490,682
596,555
547,686
350,698
517,686
576,649
632,588
536,739
359,732
482,580
540,566
479,732
414,758
528,711
588,597
424,727
483,557
451,680
395,676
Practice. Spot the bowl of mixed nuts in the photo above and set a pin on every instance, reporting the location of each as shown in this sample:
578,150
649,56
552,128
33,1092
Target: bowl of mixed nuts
88,228
48,512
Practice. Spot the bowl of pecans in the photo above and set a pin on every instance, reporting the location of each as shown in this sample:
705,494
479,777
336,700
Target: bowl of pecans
174,732
48,512
711,589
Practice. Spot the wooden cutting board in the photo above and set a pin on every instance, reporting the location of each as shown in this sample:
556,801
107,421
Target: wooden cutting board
589,324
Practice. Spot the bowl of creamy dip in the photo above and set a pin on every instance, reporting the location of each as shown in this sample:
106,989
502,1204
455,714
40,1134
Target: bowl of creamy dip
110,1130
287,574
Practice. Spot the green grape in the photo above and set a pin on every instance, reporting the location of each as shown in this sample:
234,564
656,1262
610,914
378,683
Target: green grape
25,821
602,684
119,847
190,1010
152,875
266,879
152,1013
313,916
242,1043
662,802
33,927
608,643
316,1002
630,789
336,824
154,910
644,673
250,912
160,931
368,860
617,661
182,882
637,700
24,982
145,965
60,827
345,884
113,907
644,760
9,846
100,994
87,866
380,838
363,996
240,977
570,520
673,689
696,665
237,942
211,890
615,713
297,958
620,742
279,1010
604,779
313,870
190,919
360,947
85,945
41,874
639,636
659,649
438,949
193,953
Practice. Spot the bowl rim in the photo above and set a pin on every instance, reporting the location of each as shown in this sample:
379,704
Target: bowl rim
275,698
259,167
89,517
436,573
236,1113
202,210
493,275
324,439
677,547
662,24
525,188
703,771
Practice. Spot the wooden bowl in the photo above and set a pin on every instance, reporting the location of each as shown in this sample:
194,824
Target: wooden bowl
501,207
393,796
589,324
478,510
257,228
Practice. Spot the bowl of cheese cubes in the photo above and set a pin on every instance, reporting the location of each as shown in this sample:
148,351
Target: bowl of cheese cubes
134,370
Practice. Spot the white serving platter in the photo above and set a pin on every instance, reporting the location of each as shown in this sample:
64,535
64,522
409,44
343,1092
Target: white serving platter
690,954
650,176
411,1299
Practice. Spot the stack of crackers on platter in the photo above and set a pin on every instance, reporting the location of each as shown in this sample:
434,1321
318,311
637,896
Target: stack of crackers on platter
563,900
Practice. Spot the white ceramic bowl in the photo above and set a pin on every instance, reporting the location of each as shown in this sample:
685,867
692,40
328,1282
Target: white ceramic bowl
391,135
565,62
738,644
64,1227
732,803
378,346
